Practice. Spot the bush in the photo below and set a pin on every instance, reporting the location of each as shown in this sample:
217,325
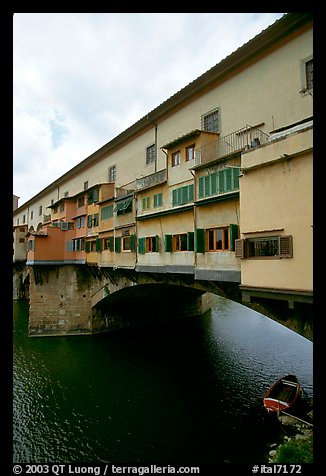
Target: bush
295,451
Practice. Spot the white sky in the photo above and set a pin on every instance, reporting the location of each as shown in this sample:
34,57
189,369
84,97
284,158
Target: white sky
79,79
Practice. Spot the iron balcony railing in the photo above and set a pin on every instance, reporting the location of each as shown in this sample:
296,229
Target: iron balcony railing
243,139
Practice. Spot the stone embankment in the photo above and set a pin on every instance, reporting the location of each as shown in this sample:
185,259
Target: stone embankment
293,429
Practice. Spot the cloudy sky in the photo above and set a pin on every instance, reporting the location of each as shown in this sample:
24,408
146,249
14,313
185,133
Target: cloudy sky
79,79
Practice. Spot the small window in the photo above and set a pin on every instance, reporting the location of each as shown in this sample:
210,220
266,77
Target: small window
32,215
176,158
146,203
180,242
81,201
190,152
158,200
80,222
66,194
210,121
267,247
62,207
309,70
112,174
40,210
150,154
217,239
86,185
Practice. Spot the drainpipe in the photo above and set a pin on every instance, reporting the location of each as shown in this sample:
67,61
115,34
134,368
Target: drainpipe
195,216
155,142
166,162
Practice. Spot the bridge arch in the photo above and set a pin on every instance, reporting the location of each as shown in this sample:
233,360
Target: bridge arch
143,298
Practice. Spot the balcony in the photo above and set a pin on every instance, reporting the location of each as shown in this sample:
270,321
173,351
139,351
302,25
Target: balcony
243,139
151,180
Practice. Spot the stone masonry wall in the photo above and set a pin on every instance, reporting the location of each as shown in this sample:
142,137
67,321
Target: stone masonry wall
60,302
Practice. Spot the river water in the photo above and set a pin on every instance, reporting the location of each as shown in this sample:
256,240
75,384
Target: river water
187,392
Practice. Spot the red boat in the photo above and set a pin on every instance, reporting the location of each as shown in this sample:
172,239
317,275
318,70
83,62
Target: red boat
282,395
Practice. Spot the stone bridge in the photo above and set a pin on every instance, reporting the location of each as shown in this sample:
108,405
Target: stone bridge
74,300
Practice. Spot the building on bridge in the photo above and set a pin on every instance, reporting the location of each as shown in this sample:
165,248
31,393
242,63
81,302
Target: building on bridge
215,182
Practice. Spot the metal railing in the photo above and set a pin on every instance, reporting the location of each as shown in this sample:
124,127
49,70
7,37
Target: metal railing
246,138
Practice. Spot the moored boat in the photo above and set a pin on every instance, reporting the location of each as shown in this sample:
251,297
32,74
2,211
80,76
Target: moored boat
282,395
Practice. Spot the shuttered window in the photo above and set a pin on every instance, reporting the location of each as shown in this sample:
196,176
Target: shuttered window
265,247
200,240
158,200
223,181
168,243
183,195
107,212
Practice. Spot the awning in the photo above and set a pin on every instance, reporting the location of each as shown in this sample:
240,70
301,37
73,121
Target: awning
123,205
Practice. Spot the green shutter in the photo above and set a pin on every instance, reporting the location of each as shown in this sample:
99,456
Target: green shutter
174,197
221,181
141,246
201,187
168,243
191,192
190,241
228,179
213,183
207,185
87,246
133,243
98,245
89,221
157,244
200,245
117,242
234,234
111,243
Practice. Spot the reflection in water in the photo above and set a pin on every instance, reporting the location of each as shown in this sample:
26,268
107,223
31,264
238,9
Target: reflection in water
181,394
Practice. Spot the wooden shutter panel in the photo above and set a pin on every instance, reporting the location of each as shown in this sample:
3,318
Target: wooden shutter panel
168,243
201,187
133,243
234,233
285,246
87,246
111,243
141,246
240,248
157,244
200,240
98,245
190,241
117,243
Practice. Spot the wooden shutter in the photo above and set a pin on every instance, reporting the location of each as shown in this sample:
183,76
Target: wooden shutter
168,243
285,246
201,187
190,241
141,246
98,245
157,244
133,243
117,243
234,233
87,246
200,244
240,248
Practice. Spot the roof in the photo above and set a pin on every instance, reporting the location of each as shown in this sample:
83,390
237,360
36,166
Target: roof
267,39
185,137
